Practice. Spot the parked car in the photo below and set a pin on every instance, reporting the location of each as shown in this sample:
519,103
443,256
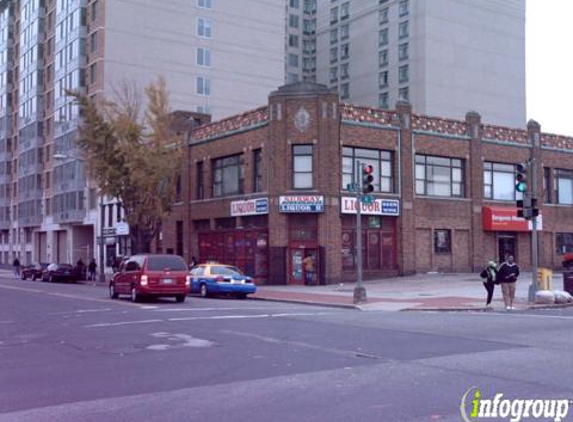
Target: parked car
568,261
214,278
59,272
151,275
33,271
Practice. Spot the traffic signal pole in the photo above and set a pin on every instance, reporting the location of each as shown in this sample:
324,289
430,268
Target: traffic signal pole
359,289
534,286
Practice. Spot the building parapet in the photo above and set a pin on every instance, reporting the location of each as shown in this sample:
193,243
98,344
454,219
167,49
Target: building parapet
230,125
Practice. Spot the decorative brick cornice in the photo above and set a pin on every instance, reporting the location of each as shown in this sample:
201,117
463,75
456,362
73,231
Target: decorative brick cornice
501,133
439,125
230,125
553,141
361,114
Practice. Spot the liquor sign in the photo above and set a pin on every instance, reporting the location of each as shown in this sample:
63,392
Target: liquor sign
301,203
378,207
506,219
250,207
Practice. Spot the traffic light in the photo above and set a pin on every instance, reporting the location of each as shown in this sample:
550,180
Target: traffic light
367,179
521,171
534,209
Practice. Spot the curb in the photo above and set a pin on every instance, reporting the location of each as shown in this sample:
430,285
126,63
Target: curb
309,302
526,308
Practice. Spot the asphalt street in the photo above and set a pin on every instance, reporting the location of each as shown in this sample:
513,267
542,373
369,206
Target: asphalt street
70,354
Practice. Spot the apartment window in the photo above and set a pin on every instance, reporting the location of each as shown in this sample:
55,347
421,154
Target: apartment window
380,160
383,15
93,42
383,100
442,241
258,170
302,166
383,57
333,74
383,36
344,31
547,185
204,28
334,15
294,4
93,73
292,77
499,182
334,36
404,93
403,29
203,86
178,193
94,8
293,21
439,176
333,54
403,51
564,243
206,4
344,91
563,185
293,60
403,7
204,57
382,1
200,193
344,10
403,74
383,79
344,51
293,40
309,26
309,6
344,71
228,175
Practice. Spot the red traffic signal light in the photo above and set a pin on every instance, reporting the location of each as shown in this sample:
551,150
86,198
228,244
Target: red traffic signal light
367,179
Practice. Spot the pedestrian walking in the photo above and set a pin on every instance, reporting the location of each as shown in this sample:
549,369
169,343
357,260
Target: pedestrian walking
308,264
489,274
507,273
92,269
80,269
16,265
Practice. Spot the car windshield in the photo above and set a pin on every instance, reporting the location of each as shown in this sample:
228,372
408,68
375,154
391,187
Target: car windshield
160,263
220,270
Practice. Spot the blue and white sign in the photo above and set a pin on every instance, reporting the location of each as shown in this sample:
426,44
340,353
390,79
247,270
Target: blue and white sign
389,207
250,207
301,203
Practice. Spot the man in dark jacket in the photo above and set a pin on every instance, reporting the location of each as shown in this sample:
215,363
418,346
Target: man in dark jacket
507,274
490,276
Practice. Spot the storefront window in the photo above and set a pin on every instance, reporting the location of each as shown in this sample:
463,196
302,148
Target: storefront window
380,160
563,186
378,243
499,182
564,243
228,175
442,241
439,176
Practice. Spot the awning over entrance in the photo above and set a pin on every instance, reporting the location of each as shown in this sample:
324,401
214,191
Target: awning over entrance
506,219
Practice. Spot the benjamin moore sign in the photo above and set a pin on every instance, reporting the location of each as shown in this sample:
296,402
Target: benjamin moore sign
378,207
301,203
250,207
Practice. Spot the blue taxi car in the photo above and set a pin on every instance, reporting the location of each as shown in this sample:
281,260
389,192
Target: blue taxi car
213,279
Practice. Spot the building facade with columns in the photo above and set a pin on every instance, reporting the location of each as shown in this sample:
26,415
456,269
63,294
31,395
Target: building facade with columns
267,189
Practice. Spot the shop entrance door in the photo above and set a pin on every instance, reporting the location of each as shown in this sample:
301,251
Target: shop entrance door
303,264
506,245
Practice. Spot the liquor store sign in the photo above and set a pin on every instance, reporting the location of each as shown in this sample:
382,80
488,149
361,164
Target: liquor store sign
250,207
377,207
301,203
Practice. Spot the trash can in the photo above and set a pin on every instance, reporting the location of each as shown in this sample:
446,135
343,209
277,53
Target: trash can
545,279
568,281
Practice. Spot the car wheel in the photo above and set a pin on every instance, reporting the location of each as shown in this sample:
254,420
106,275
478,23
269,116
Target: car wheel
23,277
242,295
180,298
203,290
112,293
135,297
34,277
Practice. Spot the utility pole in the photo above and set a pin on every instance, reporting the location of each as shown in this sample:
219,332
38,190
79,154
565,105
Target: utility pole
363,189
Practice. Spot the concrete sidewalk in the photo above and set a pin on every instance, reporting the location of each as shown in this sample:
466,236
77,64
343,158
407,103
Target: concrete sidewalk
432,291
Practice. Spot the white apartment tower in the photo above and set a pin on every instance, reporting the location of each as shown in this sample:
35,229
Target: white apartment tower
218,56
446,57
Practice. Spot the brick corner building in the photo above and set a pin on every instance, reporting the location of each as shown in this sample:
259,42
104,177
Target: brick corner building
268,188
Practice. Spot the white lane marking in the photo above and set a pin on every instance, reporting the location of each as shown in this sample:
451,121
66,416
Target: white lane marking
514,314
221,309
86,311
180,340
116,324
197,318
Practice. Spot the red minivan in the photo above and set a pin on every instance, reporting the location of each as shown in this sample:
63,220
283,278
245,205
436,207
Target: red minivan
151,275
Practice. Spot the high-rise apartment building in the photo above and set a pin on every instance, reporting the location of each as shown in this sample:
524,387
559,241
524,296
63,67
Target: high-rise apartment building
444,56
217,56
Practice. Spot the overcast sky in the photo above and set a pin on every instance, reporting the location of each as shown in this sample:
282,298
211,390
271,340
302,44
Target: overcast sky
549,34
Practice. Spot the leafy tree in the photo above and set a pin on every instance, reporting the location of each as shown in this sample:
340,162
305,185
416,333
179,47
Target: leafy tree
133,156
